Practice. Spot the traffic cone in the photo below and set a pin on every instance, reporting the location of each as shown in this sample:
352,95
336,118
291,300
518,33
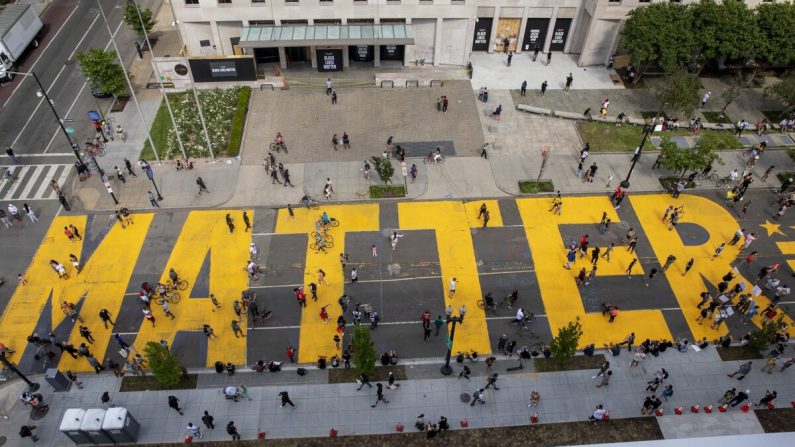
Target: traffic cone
658,412
464,423
708,409
332,433
694,408
260,434
723,408
771,405
399,428
534,418
745,408
678,410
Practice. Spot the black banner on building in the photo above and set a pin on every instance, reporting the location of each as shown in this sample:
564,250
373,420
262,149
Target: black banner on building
559,34
329,60
392,52
535,33
361,52
482,34
223,69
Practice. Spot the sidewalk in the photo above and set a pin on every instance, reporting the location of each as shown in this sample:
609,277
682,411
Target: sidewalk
697,377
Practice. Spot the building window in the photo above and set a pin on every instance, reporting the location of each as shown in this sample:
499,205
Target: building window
392,2
426,2
191,2
327,2
258,2
614,1
458,2
224,2
291,2
359,2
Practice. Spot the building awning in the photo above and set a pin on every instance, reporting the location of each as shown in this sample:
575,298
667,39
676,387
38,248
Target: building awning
303,35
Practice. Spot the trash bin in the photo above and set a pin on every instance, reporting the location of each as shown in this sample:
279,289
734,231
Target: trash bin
70,426
92,426
57,380
120,425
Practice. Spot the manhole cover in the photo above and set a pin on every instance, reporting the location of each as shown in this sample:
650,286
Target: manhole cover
465,397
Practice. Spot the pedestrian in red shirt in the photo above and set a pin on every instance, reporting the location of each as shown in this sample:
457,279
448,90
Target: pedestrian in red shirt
300,296
291,354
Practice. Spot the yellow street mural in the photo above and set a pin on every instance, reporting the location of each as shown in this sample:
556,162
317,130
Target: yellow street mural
106,273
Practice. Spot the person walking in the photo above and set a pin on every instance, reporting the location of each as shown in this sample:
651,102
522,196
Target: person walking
549,58
105,399
465,373
232,431
246,221
743,370
363,380
202,186
208,420
173,402
230,223
152,199
510,57
438,323
86,333
104,315
129,166
477,396
605,379
391,381
492,382
523,89
379,393
333,97
285,398
705,98
120,174
286,177
688,266
329,87
193,431
543,88
26,431
668,262
451,292
569,80
12,155
29,212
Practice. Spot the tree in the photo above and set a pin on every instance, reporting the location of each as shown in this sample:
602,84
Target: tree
564,345
384,169
776,22
733,92
101,70
364,354
164,365
679,160
678,92
648,34
132,19
766,335
784,91
725,30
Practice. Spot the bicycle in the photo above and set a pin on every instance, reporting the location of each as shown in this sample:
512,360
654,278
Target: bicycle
710,176
181,284
254,275
93,150
723,182
433,159
332,222
311,203
276,146
170,295
325,237
321,246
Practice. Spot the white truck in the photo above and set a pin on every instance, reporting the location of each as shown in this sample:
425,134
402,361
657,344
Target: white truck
19,26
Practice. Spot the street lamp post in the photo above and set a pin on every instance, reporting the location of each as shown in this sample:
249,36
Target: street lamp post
148,170
446,368
646,131
72,144
32,386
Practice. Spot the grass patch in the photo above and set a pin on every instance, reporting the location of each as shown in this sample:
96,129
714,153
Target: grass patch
147,383
224,114
534,187
783,176
349,375
606,137
239,122
737,353
717,117
774,116
385,192
542,435
543,364
791,153
779,420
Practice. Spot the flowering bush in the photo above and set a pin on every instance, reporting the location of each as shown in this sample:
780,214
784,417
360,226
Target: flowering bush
219,106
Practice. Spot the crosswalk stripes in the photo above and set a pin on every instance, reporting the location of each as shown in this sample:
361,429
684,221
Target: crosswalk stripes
32,181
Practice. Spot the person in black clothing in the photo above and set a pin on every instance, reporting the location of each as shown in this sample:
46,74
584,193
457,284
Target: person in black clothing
173,402
232,430
379,395
364,380
285,399
208,420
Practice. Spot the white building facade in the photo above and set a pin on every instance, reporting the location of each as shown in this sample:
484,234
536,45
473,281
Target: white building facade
400,32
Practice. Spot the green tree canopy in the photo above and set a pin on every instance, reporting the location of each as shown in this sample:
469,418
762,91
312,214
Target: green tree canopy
364,354
101,70
728,29
680,160
132,19
564,345
784,91
678,92
661,34
384,169
776,23
164,365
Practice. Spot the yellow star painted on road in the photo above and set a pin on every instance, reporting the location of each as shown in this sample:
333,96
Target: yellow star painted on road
771,228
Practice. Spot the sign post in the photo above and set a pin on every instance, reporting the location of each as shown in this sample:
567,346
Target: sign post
405,172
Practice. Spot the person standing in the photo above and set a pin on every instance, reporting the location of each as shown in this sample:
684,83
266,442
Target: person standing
152,199
438,323
451,292
29,212
333,97
246,221
229,223
536,50
549,58
523,89
569,80
705,98
510,57
379,392
193,431
543,88
285,398
605,379
26,431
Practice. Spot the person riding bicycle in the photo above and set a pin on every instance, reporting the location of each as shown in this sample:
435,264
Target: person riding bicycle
324,217
436,155
279,139
173,275
160,288
489,300
513,297
147,289
519,316
251,268
306,199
